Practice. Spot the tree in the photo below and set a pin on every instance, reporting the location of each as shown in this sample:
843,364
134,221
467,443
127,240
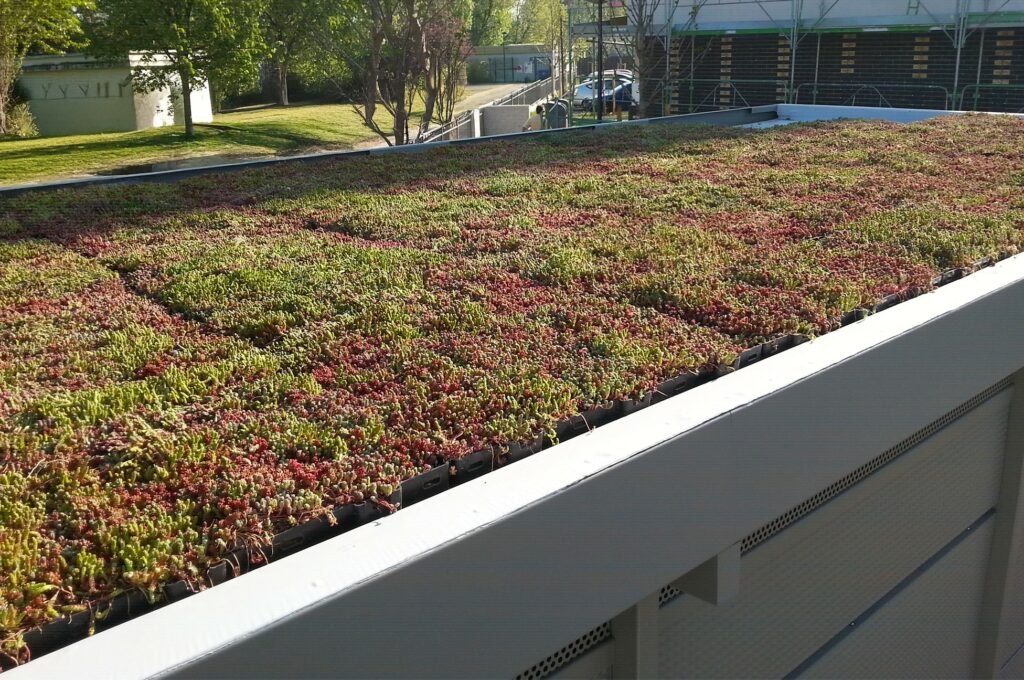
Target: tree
44,25
491,20
446,26
287,31
396,66
543,22
537,21
182,42
400,51
641,15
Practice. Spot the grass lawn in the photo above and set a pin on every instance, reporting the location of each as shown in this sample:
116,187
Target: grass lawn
189,369
258,132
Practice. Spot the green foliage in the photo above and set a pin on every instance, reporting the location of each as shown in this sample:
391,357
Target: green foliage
41,24
539,21
47,25
290,30
492,19
183,44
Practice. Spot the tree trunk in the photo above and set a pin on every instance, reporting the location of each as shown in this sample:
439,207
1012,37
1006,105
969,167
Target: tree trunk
401,125
8,72
186,101
432,84
282,83
645,88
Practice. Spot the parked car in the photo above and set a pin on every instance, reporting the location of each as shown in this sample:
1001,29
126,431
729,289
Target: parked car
585,93
618,74
620,97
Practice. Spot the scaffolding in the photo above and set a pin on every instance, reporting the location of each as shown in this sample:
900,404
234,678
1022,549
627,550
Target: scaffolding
952,54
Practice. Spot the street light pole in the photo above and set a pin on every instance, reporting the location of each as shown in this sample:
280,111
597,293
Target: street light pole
599,101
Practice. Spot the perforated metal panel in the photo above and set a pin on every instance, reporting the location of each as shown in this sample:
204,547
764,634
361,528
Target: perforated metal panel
953,466
1014,668
567,654
808,582
927,630
667,594
825,495
1010,532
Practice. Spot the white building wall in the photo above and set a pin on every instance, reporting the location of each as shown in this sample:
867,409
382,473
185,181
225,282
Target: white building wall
81,101
161,108
69,95
202,107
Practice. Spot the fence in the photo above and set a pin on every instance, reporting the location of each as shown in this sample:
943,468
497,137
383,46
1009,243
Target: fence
742,92
1000,97
721,93
980,68
862,94
464,126
461,127
542,89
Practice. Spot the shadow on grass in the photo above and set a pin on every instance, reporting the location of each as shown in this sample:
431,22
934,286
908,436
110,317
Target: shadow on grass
169,140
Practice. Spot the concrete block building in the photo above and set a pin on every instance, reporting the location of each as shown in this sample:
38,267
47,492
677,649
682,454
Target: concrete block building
74,94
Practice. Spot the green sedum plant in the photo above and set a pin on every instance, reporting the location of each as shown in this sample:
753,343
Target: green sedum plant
187,369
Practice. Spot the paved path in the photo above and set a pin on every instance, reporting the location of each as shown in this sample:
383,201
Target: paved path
481,95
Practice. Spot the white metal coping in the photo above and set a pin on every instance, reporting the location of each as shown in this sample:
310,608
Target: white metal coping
490,576
789,114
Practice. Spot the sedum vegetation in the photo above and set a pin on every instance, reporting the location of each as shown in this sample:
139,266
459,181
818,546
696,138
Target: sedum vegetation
189,368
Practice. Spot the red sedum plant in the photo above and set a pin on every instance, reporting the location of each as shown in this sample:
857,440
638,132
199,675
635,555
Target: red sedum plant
190,368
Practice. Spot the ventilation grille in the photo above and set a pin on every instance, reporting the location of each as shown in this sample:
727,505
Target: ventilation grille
668,593
570,652
866,470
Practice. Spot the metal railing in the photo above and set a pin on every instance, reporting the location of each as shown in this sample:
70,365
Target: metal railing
453,129
534,92
461,127
858,93
873,90
718,83
979,88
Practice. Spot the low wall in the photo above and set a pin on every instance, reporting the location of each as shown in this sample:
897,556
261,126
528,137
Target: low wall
731,117
71,95
80,102
503,120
